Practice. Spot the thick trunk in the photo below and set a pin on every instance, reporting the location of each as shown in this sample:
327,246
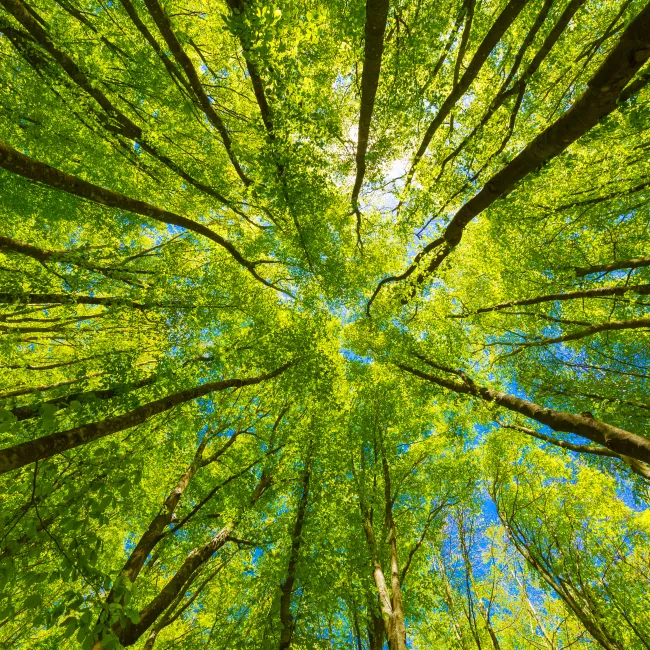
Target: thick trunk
375,632
376,16
56,443
617,440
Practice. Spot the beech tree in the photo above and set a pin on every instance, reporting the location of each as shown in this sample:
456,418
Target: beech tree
324,324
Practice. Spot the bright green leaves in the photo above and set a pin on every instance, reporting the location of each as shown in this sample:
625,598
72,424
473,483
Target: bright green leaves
172,311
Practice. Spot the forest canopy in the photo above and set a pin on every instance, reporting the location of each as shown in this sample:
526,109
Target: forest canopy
323,324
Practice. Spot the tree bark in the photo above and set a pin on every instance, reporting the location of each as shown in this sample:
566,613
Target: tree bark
617,440
73,257
634,323
375,27
56,443
68,299
131,632
287,621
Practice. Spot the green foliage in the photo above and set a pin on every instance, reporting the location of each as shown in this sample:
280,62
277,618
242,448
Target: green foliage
268,508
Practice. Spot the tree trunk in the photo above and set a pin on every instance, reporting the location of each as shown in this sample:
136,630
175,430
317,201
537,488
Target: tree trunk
286,619
618,440
48,446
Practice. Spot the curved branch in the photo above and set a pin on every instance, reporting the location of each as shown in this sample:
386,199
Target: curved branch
640,289
39,172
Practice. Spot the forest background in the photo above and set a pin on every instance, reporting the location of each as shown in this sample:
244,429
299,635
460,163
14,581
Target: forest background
323,324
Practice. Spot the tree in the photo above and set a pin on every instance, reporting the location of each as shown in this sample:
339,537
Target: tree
324,324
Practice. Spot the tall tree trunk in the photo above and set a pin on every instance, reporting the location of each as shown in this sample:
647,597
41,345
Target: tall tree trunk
375,630
618,440
48,446
396,641
286,619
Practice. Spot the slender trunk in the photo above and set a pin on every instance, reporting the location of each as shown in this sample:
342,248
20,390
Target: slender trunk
397,641
130,633
158,525
133,631
560,587
538,620
449,600
72,257
40,389
48,446
636,466
375,26
174,612
616,325
378,575
73,299
286,619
